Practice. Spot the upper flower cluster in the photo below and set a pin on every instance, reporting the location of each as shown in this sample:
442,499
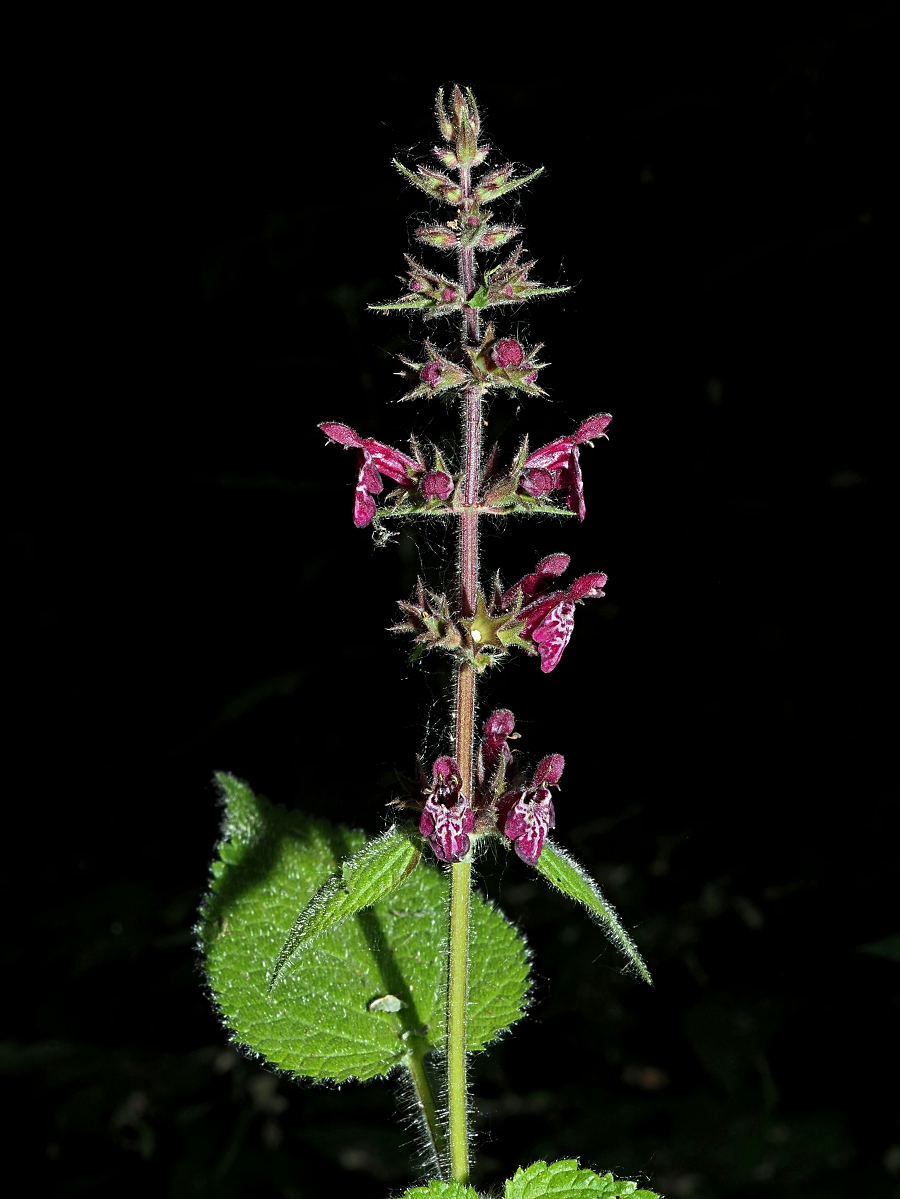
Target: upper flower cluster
472,228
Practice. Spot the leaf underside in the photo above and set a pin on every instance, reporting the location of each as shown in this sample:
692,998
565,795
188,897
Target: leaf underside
316,1021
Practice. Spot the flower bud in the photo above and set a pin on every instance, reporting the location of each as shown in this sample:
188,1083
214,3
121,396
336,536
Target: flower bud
437,485
508,353
548,771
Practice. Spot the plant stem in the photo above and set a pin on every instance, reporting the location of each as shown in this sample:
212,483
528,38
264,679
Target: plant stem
415,1064
461,872
457,999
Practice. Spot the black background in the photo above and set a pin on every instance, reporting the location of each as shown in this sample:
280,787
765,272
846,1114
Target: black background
202,228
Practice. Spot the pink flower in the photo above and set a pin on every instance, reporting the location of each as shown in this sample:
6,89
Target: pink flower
541,581
555,467
550,618
526,815
552,635
497,728
374,460
447,818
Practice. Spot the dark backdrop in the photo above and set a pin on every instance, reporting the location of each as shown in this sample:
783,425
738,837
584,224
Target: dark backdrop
203,228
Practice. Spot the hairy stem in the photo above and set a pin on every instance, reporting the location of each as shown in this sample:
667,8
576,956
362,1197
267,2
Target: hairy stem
461,872
457,999
415,1064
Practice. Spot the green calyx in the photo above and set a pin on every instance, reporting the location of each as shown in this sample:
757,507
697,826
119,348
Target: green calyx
494,632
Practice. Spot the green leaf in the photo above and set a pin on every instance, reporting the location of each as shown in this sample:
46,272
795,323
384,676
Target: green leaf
559,1180
521,297
411,301
319,1020
371,874
564,873
492,193
888,948
441,1190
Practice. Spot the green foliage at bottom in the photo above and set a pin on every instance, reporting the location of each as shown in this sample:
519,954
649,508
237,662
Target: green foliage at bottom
359,999
560,1180
543,1180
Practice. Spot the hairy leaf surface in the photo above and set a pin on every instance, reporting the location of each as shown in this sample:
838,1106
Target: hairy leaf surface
560,1180
566,875
371,874
441,1190
318,1020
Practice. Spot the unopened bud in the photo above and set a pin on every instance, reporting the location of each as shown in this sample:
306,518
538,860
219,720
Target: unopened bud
437,485
444,123
508,353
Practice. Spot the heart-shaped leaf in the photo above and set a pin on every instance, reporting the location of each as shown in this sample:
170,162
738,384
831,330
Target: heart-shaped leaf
333,1014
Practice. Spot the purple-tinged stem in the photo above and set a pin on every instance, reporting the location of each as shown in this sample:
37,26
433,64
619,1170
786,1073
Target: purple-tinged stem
461,872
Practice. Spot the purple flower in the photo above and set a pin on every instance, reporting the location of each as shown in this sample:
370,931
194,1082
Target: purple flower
374,460
555,467
541,581
497,728
447,818
550,618
526,814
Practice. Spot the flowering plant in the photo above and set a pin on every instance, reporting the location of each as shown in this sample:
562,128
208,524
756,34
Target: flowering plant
309,964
